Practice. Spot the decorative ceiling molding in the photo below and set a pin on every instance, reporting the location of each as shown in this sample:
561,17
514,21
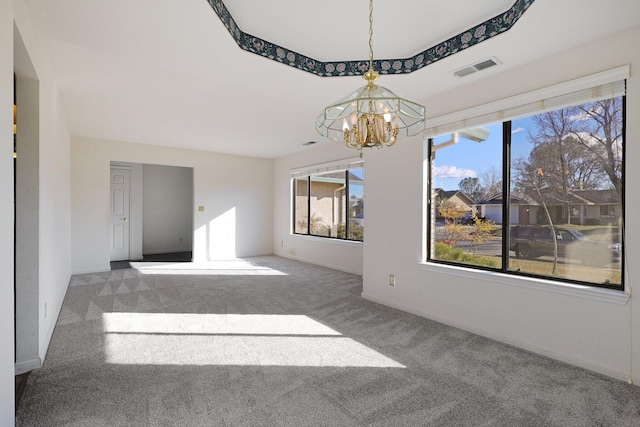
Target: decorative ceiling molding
484,31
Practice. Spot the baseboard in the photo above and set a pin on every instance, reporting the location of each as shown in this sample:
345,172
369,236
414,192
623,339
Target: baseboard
165,251
315,262
27,365
618,374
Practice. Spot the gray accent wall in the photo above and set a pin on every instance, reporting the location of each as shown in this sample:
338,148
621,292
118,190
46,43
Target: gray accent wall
27,225
167,209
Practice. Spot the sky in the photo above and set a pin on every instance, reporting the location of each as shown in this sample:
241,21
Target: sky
470,159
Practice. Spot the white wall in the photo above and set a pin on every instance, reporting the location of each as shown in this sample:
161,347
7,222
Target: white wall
7,402
596,329
53,188
338,254
235,192
168,209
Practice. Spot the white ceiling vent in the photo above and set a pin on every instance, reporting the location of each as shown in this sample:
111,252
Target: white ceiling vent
482,65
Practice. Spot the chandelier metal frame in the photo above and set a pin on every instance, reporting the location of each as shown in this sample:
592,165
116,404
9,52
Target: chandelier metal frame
371,116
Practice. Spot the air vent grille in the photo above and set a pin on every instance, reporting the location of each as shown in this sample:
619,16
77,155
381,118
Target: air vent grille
479,66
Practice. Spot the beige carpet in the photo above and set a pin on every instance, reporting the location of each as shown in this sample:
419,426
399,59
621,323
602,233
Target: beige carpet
273,342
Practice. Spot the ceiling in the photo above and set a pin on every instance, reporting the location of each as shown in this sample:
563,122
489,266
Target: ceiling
168,72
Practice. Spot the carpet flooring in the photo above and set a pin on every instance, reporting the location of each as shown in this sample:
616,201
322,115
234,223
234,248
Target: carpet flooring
268,341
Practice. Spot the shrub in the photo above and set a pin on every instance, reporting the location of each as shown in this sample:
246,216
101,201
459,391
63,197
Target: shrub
356,231
446,252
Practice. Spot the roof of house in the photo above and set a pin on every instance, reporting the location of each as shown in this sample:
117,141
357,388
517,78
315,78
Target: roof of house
598,196
452,193
516,198
574,197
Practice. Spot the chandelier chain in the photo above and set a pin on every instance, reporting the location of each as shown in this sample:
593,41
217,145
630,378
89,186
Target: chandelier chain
371,34
373,116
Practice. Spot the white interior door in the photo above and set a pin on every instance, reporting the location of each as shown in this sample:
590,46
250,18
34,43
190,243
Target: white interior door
120,206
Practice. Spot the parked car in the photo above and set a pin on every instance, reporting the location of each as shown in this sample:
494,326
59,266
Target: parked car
467,219
532,241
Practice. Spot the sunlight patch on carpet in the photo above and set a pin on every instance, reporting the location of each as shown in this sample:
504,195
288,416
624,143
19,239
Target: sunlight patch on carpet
213,324
232,340
235,267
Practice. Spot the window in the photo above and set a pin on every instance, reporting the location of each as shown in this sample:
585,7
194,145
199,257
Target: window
301,207
607,211
562,170
330,203
459,227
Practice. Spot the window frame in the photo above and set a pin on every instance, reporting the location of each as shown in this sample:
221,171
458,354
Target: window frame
506,206
319,171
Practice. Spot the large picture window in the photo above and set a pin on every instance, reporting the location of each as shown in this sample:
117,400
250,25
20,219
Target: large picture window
330,204
562,172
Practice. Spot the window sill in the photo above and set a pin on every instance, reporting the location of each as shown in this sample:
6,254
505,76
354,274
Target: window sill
326,239
581,291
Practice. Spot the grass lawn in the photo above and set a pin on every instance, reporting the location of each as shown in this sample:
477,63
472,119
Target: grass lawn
566,269
573,271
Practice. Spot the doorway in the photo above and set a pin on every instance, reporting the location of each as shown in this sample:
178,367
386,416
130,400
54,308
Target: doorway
151,213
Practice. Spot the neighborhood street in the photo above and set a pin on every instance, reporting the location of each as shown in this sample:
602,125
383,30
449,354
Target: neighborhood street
493,248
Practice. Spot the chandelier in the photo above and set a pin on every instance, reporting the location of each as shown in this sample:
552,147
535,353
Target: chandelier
372,116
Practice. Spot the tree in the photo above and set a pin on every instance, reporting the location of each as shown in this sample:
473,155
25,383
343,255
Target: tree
561,149
599,131
471,187
540,172
567,166
554,152
533,178
453,230
491,182
482,231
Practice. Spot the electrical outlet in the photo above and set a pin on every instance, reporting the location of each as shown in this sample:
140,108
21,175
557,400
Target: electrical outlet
181,240
281,242
392,280
45,310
